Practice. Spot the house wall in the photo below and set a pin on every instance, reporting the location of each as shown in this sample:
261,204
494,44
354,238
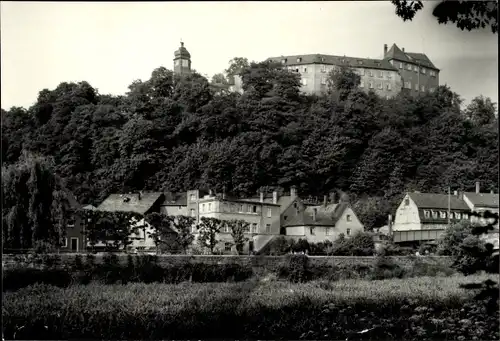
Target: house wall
416,77
354,224
172,210
407,217
75,231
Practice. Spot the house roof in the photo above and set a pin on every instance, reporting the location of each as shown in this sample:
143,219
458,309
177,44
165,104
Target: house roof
412,57
325,215
89,207
489,200
438,201
354,62
119,202
175,199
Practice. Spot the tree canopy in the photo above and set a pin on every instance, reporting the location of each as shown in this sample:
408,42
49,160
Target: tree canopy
171,133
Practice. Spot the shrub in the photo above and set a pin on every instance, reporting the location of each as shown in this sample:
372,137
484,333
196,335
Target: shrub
386,268
295,268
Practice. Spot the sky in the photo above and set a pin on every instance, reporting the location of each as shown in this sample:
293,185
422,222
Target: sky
111,44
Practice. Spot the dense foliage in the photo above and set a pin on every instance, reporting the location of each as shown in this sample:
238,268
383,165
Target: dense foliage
174,134
411,309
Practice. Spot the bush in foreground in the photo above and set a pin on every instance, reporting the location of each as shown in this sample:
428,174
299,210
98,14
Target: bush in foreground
409,309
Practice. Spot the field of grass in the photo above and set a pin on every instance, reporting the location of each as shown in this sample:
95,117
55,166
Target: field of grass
410,309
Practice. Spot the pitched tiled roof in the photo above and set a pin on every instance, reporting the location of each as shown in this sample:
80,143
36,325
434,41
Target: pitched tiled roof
175,199
412,57
489,200
335,60
438,201
119,202
325,216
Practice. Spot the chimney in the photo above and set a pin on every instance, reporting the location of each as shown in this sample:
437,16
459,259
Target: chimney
275,197
477,188
293,192
325,200
385,49
314,213
261,196
403,49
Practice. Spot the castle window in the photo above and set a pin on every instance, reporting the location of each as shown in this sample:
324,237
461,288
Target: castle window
362,72
371,73
370,85
400,65
323,68
254,228
304,69
269,212
416,87
381,74
415,68
389,86
380,86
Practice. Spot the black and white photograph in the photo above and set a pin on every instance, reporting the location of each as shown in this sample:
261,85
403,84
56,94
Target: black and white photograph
250,170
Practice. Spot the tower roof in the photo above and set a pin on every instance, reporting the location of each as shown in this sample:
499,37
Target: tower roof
182,52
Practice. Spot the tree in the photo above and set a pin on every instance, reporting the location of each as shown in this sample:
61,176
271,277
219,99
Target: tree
208,230
481,111
342,80
238,229
470,15
183,226
219,78
162,231
236,65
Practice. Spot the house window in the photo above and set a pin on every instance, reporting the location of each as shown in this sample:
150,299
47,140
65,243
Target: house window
304,81
192,197
322,59
203,207
371,73
408,67
348,217
361,84
299,60
65,242
427,214
407,85
423,70
443,214
407,202
323,68
227,247
432,73
304,69
192,212
311,231
389,87
283,61
295,205
254,209
362,72
254,227
268,228
400,65
209,207
328,231
371,85
434,214
422,88
415,68
249,209
458,215
242,209
348,232
71,222
246,228
381,74
416,87
269,212
389,74
323,80
380,86
180,207
465,216
284,217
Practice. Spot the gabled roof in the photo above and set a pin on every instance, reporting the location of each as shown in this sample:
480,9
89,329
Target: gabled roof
334,60
175,199
438,201
325,215
411,57
487,200
119,202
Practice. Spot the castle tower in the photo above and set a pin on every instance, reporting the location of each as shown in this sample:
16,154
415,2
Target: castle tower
182,61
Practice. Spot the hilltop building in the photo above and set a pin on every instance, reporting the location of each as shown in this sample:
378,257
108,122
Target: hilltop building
397,71
182,61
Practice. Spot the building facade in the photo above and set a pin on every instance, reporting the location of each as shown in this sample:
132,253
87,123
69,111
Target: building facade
386,77
182,61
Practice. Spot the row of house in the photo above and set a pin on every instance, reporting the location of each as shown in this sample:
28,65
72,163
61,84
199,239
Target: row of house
268,215
423,217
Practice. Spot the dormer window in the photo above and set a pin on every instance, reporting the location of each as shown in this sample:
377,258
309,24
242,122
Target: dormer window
299,60
427,214
283,61
434,214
